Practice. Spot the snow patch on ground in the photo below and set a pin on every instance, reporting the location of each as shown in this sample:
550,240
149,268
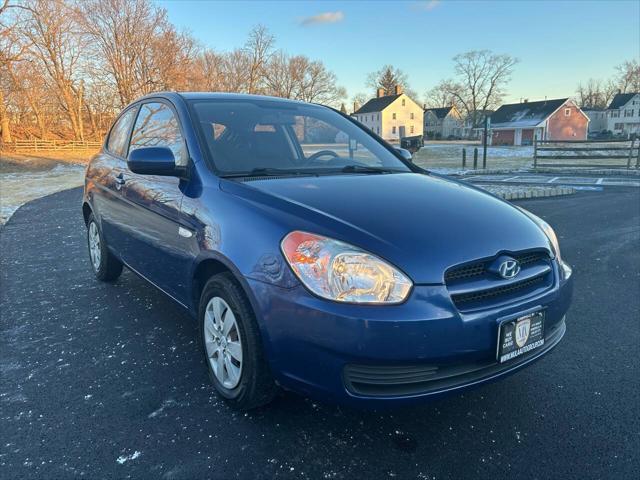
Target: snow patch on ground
125,458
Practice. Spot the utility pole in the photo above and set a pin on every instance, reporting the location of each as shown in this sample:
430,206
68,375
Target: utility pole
484,140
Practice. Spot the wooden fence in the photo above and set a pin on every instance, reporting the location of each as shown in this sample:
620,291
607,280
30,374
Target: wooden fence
586,153
50,145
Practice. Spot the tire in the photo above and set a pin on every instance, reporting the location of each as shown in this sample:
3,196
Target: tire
106,267
244,384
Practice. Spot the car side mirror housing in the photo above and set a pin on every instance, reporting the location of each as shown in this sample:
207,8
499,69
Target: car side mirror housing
404,153
154,161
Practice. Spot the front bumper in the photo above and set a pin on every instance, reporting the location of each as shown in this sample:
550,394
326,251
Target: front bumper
340,352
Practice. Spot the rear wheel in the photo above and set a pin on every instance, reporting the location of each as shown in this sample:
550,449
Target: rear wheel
232,345
105,266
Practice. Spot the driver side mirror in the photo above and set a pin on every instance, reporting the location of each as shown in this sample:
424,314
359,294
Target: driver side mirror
404,153
154,161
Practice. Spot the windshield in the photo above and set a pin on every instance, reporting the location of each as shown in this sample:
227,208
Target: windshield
273,137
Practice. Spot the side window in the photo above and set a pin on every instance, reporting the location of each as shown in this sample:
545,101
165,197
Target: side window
157,126
117,143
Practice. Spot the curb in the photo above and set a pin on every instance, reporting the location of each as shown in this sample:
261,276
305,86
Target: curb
570,171
528,192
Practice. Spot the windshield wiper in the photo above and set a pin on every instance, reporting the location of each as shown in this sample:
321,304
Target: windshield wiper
366,169
263,172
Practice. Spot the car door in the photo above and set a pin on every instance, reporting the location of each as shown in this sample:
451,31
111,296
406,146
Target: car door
158,243
106,179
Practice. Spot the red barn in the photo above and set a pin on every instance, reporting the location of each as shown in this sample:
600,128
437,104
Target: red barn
519,123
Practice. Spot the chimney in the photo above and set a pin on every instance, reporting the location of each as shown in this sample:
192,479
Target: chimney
398,89
380,93
526,100
355,106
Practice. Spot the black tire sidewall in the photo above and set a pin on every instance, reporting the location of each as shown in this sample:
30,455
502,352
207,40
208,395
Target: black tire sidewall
219,286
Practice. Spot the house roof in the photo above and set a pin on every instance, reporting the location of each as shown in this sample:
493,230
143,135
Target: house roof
620,100
528,114
377,104
440,113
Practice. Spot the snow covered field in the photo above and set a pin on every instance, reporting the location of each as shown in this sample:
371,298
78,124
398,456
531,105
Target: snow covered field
448,156
19,187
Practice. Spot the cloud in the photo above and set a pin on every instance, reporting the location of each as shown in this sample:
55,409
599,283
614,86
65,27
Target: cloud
326,17
427,5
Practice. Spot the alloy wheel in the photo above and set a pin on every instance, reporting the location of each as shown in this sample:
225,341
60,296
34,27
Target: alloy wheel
94,246
223,343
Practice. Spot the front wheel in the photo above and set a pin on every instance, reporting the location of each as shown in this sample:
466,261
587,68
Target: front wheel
105,266
232,345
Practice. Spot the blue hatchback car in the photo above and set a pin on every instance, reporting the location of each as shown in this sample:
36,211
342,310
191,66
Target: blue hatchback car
315,256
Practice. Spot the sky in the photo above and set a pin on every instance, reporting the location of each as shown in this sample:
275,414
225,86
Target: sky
558,43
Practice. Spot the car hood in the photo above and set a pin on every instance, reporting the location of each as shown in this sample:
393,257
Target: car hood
420,223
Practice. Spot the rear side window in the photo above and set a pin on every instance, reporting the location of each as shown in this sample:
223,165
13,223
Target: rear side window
157,126
119,135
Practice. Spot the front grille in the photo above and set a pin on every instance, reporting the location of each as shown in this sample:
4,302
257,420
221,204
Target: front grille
511,289
474,286
397,381
480,268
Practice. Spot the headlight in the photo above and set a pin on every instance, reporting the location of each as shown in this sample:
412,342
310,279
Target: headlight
338,271
548,231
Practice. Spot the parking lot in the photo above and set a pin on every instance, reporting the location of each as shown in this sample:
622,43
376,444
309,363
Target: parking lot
107,381
576,180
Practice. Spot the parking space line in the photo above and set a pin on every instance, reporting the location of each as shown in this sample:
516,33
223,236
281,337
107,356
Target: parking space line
599,181
553,179
510,178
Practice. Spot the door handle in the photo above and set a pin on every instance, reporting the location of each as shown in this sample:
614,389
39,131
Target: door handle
120,181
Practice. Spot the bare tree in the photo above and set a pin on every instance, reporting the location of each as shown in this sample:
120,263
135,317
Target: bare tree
317,84
125,34
207,72
56,45
358,100
596,93
12,49
481,77
628,76
387,78
440,96
258,49
282,76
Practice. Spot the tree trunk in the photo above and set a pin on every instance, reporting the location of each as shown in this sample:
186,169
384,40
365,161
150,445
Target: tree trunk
5,128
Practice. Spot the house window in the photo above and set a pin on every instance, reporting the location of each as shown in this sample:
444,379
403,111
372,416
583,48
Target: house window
393,115
411,115
403,102
411,128
615,114
628,113
567,112
393,129
618,126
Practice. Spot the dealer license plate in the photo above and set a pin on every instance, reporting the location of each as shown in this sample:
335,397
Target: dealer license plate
520,336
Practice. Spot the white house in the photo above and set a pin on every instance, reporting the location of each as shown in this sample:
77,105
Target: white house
443,122
623,114
391,116
597,119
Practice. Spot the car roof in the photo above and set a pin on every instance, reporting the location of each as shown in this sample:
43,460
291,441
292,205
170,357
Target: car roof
219,96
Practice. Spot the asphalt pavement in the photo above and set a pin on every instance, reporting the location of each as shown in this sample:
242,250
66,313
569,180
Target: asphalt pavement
107,381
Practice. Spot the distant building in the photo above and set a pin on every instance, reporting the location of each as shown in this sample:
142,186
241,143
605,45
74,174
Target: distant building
597,119
475,133
442,122
519,123
623,114
391,116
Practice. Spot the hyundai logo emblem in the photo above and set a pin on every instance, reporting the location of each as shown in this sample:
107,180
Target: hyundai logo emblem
509,268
